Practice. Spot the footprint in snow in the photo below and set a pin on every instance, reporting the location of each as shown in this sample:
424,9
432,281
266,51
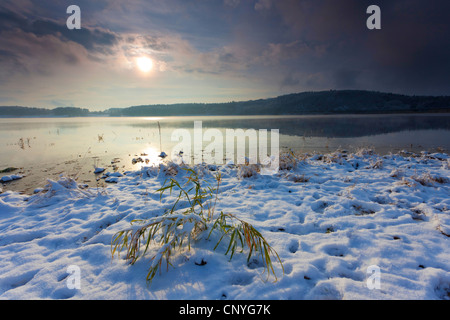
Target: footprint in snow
335,250
17,281
241,279
293,246
319,206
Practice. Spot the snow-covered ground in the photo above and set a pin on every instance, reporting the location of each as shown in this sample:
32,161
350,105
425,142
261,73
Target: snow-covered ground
330,217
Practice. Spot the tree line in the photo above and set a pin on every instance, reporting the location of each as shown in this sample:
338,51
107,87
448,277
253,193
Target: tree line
305,103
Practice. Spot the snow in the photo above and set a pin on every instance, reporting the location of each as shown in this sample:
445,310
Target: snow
329,217
11,177
112,177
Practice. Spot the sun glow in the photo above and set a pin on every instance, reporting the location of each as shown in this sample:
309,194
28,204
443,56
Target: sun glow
144,64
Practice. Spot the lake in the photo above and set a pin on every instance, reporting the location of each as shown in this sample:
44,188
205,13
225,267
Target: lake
46,147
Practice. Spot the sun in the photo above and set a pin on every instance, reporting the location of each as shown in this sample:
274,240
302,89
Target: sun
144,64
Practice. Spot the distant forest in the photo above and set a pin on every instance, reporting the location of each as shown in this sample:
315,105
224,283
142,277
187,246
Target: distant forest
15,111
306,103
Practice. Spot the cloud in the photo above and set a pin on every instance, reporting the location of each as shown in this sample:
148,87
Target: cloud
232,3
289,81
153,43
283,52
10,64
263,5
228,57
94,39
330,37
10,20
44,47
346,79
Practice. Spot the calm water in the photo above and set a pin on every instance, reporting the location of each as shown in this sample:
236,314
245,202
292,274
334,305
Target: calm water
47,147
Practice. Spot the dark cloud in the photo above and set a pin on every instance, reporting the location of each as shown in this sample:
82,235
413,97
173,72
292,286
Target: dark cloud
408,55
93,39
346,79
228,58
154,43
411,51
10,20
7,56
289,81
43,47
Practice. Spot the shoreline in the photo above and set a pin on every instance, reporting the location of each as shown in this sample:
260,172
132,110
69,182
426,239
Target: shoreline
249,116
34,178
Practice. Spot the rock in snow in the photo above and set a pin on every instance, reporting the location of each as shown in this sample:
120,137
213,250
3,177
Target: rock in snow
99,170
10,178
162,155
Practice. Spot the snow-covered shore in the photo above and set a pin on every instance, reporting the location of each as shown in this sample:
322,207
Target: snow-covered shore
330,217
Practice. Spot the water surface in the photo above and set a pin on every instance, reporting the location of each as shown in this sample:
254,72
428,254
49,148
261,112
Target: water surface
46,147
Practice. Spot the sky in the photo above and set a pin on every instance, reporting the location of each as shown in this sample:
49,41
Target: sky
217,50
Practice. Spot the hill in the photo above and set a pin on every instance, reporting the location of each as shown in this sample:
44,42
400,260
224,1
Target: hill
306,103
16,111
324,102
